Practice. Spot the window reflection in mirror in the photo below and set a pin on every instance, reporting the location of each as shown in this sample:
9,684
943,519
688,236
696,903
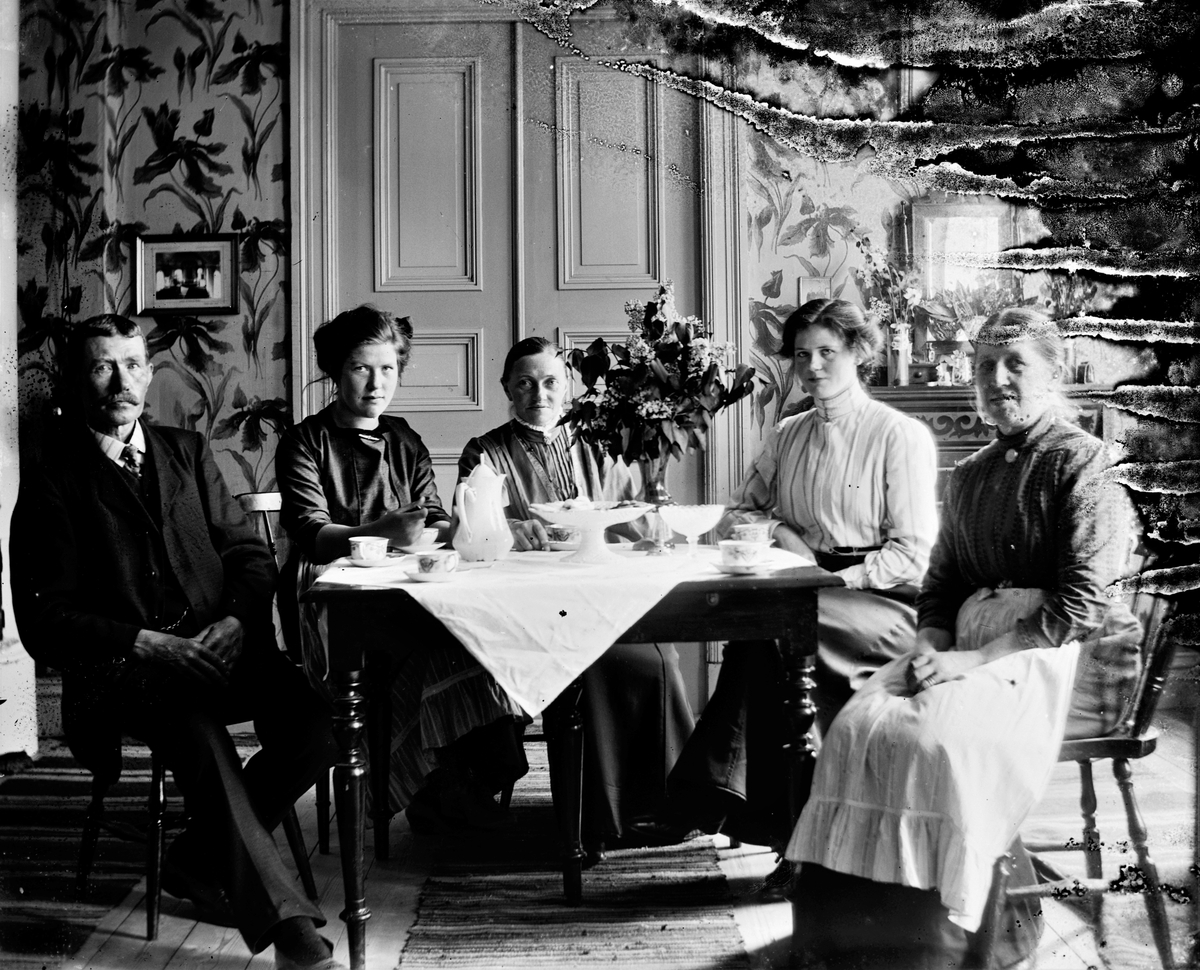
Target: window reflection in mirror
952,236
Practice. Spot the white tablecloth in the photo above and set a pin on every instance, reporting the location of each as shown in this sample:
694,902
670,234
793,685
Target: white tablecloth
535,622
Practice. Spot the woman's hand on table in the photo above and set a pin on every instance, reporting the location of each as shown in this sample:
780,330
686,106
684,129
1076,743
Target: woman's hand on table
401,526
529,534
788,538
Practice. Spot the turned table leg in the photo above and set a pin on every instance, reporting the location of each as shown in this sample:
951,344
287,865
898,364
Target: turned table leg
379,742
348,724
799,652
564,746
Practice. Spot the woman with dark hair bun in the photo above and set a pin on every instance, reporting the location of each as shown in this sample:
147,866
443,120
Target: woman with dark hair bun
850,484
635,707
351,469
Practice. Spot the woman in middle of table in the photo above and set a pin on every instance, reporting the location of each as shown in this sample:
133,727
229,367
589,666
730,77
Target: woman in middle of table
635,708
350,469
851,484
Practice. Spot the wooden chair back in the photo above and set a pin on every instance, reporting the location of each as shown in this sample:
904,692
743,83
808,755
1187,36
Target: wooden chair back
259,506
1158,653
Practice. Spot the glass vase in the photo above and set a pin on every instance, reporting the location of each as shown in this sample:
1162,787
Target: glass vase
654,474
655,492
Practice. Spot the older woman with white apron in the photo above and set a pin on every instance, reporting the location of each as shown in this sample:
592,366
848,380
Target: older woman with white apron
928,772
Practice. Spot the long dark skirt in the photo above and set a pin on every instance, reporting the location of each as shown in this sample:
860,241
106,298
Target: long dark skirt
731,775
636,720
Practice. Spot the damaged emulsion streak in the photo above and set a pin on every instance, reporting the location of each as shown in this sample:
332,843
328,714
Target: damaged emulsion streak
1085,117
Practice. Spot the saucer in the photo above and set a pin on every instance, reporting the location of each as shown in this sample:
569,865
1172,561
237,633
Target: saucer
746,569
375,563
556,546
421,577
413,550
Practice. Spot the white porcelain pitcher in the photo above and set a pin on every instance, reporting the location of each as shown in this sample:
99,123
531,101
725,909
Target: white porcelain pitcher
482,532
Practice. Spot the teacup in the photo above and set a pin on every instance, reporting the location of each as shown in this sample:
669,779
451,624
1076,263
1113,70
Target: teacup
368,548
737,552
562,533
437,561
427,538
752,532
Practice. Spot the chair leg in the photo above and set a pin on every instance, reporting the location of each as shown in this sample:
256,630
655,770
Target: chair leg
1091,836
1155,907
295,839
323,813
154,848
91,835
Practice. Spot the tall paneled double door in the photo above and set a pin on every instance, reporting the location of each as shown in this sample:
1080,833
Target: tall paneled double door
491,185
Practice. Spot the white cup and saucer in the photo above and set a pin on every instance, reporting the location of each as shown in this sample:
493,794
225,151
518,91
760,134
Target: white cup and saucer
435,566
368,551
743,557
425,542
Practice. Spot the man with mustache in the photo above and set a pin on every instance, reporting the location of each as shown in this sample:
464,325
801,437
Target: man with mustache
138,576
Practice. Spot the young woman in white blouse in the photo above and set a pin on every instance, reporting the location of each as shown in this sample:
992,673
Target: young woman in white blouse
852,484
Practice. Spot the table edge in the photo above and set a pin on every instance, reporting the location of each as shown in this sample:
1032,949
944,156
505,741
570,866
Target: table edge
797,577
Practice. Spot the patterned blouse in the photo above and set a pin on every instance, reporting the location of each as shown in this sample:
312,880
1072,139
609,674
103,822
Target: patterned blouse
1032,510
852,473
549,468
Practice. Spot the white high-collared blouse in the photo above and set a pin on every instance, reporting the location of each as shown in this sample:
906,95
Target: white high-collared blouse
852,473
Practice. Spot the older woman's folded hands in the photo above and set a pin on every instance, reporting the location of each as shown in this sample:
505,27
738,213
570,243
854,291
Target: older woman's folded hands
930,669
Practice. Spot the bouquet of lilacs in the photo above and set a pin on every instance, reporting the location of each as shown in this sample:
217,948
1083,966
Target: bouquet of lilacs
654,396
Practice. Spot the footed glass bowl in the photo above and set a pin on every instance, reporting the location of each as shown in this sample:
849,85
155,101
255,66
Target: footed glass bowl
692,521
591,519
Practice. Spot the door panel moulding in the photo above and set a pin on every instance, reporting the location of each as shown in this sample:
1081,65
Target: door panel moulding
594,253
418,180
443,375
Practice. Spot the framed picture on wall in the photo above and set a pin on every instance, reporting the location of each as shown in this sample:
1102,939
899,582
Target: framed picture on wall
813,288
186,274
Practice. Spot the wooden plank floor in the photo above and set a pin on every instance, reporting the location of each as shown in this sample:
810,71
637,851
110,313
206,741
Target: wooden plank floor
1164,782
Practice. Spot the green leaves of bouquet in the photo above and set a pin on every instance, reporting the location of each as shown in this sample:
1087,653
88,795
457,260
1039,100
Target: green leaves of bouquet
655,395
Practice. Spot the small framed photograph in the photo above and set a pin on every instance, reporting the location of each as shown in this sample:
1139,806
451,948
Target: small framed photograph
813,288
186,274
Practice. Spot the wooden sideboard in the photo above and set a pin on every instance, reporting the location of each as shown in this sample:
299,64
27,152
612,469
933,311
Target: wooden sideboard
960,431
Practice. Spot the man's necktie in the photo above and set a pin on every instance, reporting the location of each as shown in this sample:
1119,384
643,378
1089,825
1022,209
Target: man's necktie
131,458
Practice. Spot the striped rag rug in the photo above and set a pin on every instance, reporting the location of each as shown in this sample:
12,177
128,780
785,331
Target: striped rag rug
499,904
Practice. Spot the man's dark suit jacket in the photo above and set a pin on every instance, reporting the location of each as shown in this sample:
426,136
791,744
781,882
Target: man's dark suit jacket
87,558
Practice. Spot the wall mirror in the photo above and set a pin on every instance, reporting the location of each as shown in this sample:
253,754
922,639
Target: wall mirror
953,235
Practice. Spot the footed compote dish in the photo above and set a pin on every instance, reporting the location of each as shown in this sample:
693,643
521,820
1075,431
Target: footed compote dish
591,519
692,521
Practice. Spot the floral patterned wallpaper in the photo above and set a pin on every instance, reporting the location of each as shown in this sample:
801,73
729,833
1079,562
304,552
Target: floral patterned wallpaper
804,218
159,117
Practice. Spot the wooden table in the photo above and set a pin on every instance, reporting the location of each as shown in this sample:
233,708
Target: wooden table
781,606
